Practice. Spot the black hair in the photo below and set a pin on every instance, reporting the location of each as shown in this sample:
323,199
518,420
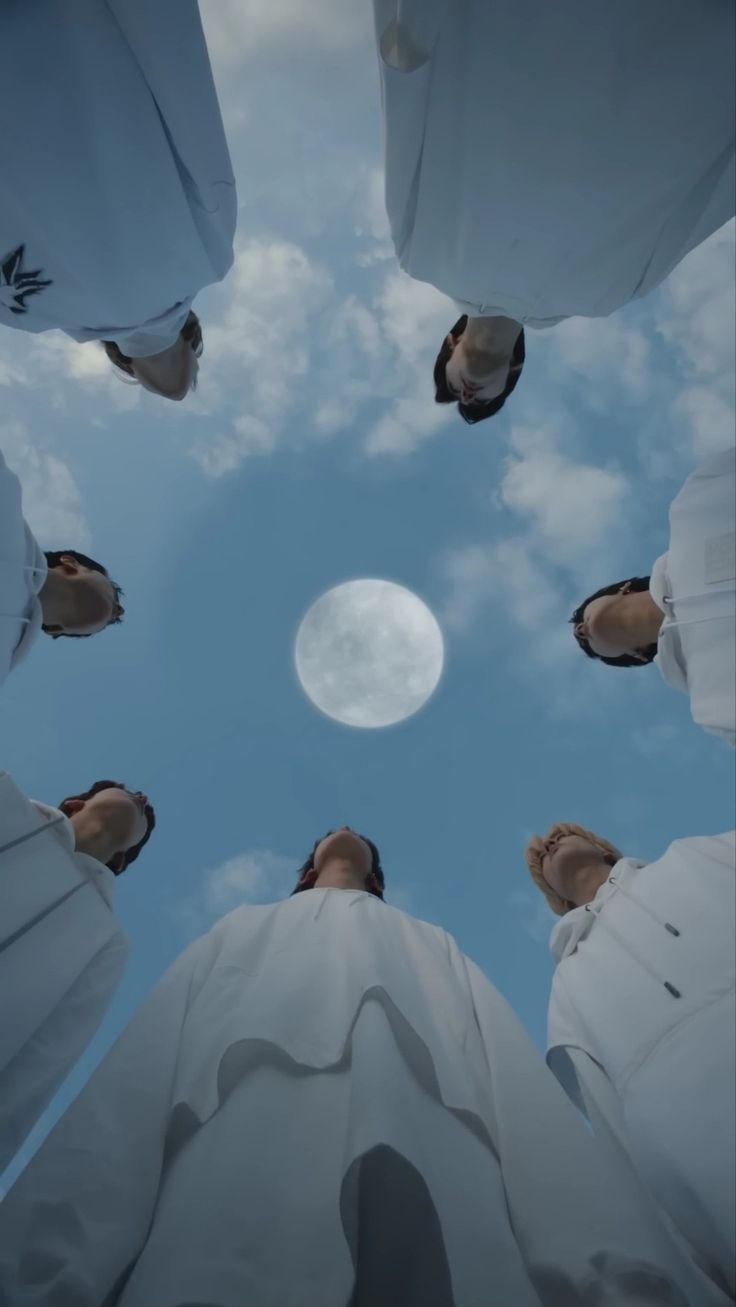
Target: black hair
376,868
472,413
55,556
635,585
130,855
191,332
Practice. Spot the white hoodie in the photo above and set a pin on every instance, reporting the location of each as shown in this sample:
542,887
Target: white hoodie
694,584
23,571
641,1030
62,953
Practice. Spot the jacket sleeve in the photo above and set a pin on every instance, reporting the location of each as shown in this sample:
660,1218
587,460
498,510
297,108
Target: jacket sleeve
77,1217
30,1080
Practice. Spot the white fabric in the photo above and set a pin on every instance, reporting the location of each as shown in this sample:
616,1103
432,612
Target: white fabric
544,160
335,1037
694,584
62,953
119,185
659,1061
22,574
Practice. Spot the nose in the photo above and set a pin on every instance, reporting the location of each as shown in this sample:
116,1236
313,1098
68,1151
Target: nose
346,828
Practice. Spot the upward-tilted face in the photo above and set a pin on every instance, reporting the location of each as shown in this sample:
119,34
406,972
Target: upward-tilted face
602,626
123,813
344,844
563,857
87,601
474,376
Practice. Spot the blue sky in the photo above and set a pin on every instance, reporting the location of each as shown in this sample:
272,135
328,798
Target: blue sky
313,453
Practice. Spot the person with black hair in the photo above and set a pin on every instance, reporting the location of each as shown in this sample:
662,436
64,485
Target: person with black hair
325,1102
119,200
540,165
479,365
683,616
60,592
62,949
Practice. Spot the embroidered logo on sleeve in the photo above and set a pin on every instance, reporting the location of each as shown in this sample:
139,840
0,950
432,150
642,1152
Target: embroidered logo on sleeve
720,558
18,283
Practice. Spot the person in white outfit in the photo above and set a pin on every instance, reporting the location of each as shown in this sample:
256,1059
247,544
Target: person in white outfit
642,1026
325,1103
544,161
683,616
62,950
119,200
60,592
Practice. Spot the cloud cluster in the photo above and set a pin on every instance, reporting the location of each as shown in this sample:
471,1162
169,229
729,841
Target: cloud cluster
52,503
255,876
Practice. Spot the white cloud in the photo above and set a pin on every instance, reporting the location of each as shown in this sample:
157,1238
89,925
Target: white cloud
260,876
571,507
414,320
709,414
696,306
608,353
51,500
256,876
238,29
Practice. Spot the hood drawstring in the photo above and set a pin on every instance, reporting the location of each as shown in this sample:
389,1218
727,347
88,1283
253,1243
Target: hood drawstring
673,623
643,906
597,913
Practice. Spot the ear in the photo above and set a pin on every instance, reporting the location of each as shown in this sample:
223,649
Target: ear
69,565
73,805
309,877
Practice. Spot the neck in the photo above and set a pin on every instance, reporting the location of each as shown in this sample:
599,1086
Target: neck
641,619
53,597
338,873
586,881
496,334
91,837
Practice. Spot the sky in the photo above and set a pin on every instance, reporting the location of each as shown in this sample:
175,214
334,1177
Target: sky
312,453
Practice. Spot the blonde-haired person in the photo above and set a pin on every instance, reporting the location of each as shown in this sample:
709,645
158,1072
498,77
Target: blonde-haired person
641,1016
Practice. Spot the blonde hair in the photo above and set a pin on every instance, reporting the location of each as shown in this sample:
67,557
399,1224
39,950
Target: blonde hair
533,855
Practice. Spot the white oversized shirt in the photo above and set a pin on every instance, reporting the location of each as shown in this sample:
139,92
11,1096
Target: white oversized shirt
545,160
62,953
118,193
694,584
23,571
642,1030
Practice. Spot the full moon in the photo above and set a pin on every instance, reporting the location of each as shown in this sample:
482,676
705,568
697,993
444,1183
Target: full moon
369,653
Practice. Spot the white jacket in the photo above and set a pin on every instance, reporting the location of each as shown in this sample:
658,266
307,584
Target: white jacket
22,574
694,584
543,160
62,953
641,1029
